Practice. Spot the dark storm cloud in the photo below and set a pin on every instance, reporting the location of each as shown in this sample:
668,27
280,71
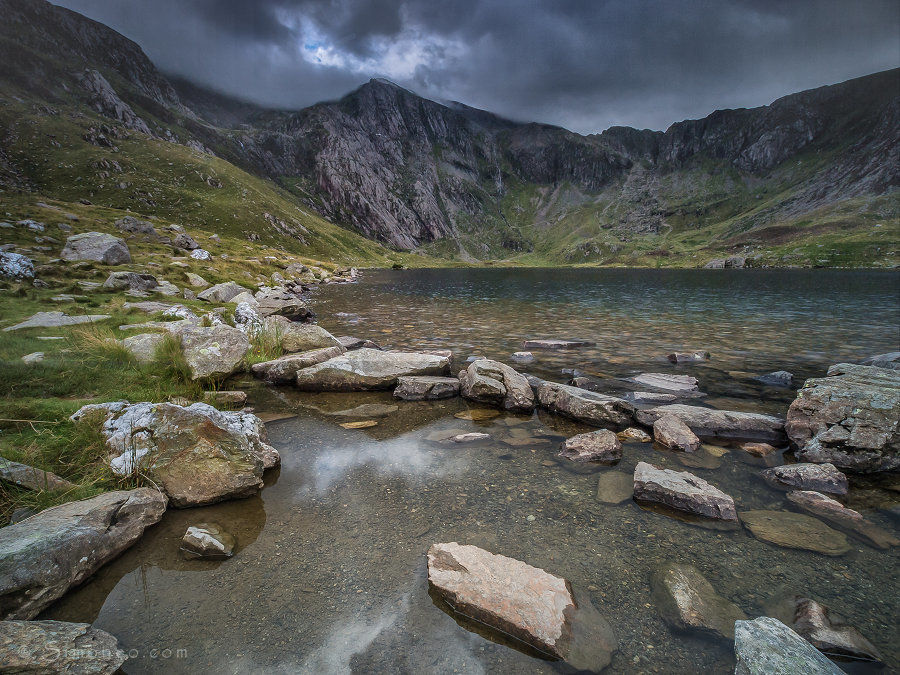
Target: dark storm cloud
582,64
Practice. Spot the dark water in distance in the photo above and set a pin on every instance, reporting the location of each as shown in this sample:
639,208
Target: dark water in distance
329,576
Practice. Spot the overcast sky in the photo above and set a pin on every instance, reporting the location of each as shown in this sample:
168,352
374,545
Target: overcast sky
585,65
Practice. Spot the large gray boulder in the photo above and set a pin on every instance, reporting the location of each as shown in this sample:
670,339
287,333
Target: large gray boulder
284,302
850,418
144,345
58,647
819,477
682,491
426,388
595,446
711,424
585,406
15,266
223,292
369,369
213,351
45,555
300,337
284,370
688,602
96,246
495,383
132,281
765,646
195,454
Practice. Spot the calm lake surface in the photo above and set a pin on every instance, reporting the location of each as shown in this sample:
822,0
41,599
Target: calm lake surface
329,575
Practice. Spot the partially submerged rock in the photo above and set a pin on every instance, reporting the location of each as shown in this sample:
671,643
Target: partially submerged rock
55,320
634,434
45,555
682,491
369,369
556,344
349,342
889,360
765,646
818,477
96,246
492,382
709,423
851,418
283,370
758,449
795,530
585,406
667,381
207,540
58,647
29,477
470,437
780,378
196,454
596,446
688,602
838,515
522,357
827,631
689,357
426,388
670,432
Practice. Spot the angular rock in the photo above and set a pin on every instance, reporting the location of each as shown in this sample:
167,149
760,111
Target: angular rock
688,602
120,281
758,449
682,491
45,555
207,540
30,477
195,454
708,423
828,632
889,360
16,266
595,446
369,369
213,351
838,515
634,434
201,254
196,280
780,378
670,432
185,241
522,357
765,646
556,344
615,487
818,477
349,343
667,381
55,320
284,370
425,388
58,647
167,288
223,292
488,381
795,530
279,300
96,246
133,225
585,406
301,337
851,418
688,357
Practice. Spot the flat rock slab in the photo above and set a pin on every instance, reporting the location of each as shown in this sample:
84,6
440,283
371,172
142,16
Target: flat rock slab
596,446
795,530
369,369
851,418
425,388
615,487
524,602
367,410
56,549
556,344
585,406
670,432
495,383
682,491
29,477
667,381
839,516
688,602
818,477
708,423
765,646
56,319
470,437
58,647
284,370
477,414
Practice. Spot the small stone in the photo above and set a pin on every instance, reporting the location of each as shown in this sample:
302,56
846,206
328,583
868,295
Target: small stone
207,540
33,357
522,357
758,449
225,398
556,344
360,425
201,254
634,434
688,357
477,414
596,446
780,378
670,432
471,437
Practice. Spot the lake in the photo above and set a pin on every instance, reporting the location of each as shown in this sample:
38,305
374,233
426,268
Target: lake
330,575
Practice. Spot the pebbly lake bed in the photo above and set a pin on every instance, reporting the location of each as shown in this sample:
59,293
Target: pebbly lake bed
329,573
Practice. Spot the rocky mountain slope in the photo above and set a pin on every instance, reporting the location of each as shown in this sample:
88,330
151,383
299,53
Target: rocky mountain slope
810,179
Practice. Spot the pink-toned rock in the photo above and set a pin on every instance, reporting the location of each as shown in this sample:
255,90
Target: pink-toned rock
838,515
818,477
682,491
758,449
595,446
670,432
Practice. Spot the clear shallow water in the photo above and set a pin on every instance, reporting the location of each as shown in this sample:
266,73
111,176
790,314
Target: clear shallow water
330,571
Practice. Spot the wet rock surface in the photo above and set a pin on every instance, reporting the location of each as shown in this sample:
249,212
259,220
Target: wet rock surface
709,423
58,647
670,432
495,383
425,388
207,540
585,406
283,370
795,530
682,491
765,646
556,344
369,369
688,602
667,381
818,477
851,418
45,555
839,516
689,357
597,446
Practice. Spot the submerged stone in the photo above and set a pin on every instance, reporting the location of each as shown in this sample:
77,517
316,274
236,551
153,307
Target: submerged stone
556,344
765,646
207,540
682,491
615,487
795,530
842,518
596,446
687,601
680,383
477,414
425,388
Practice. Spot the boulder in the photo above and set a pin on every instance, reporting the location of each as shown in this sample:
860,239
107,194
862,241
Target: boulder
667,381
556,344
134,225
780,378
284,370
58,548
167,288
16,266
688,357
55,320
223,292
492,382
58,647
201,254
585,406
279,300
301,337
349,343
851,419
29,477
527,603
670,432
765,646
369,369
889,360
688,602
839,516
522,357
425,388
195,454
795,530
818,477
96,246
207,540
133,281
595,446
633,434
826,631
711,424
185,241
196,280
682,491
213,351
615,487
